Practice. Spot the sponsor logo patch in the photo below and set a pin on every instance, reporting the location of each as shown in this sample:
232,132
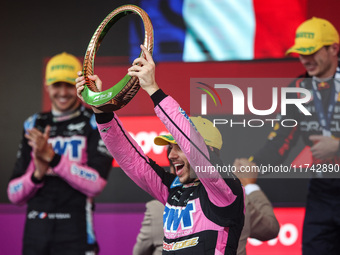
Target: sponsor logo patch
187,117
78,126
44,215
71,146
15,188
104,130
83,173
175,183
175,216
180,245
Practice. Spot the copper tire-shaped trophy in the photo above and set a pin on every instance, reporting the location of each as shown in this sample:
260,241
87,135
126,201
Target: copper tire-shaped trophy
120,94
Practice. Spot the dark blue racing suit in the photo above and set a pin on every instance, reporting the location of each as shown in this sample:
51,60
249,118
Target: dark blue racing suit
60,207
321,230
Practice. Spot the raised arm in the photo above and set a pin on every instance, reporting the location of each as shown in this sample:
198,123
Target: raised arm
181,127
128,154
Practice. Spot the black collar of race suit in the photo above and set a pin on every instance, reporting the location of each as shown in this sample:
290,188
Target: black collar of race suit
192,184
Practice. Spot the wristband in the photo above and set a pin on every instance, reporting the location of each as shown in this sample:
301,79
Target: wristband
36,180
55,161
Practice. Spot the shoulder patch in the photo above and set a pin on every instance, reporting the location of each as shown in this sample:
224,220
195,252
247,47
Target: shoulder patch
187,117
30,122
93,122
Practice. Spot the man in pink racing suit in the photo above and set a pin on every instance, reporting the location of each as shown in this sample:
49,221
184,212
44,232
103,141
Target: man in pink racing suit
204,213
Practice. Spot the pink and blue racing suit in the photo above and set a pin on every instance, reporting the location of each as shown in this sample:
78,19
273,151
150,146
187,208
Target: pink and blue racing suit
60,207
202,217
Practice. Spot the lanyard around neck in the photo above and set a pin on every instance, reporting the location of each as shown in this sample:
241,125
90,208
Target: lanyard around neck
325,117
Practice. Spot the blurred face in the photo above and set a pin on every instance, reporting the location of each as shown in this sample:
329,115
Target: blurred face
63,96
181,164
321,64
